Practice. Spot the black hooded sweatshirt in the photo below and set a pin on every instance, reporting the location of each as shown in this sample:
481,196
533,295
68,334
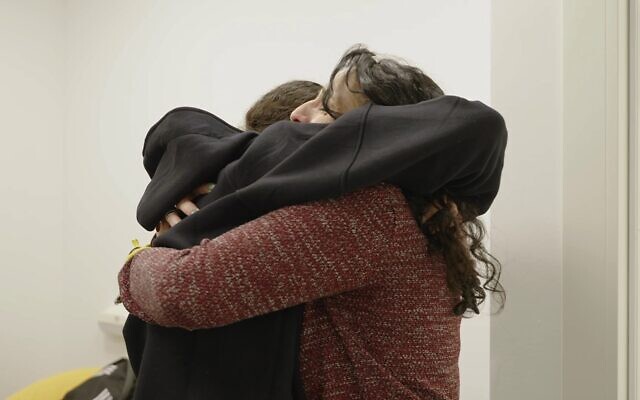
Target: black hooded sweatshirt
446,143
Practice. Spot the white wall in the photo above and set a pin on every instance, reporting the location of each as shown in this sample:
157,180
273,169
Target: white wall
526,339
33,284
595,180
634,199
559,223
526,219
130,62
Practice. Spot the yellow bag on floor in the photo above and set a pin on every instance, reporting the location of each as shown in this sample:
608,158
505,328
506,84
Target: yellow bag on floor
56,386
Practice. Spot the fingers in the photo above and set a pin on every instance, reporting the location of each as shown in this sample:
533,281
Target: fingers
456,212
187,206
203,189
162,227
429,212
172,218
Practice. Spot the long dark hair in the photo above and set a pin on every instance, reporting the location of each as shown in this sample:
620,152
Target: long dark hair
454,229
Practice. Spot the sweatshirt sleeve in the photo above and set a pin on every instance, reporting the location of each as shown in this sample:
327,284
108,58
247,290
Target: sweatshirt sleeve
446,143
289,256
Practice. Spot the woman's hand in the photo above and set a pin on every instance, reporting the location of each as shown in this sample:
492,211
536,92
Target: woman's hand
433,208
186,205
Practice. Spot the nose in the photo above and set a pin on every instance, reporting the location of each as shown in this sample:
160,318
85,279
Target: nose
301,113
297,117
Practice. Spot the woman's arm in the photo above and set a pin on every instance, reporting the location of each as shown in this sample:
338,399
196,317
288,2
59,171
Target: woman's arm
290,256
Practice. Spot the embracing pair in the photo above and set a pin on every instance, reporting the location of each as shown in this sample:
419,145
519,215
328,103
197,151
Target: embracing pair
327,252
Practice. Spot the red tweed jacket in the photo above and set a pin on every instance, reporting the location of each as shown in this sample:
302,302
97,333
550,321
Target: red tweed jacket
378,320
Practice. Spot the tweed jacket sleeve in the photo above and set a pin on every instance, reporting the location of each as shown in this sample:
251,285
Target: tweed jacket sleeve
289,256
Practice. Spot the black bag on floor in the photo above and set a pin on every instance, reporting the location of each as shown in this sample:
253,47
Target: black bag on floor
113,382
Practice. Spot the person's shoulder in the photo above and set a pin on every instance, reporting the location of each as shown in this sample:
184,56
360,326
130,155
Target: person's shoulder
383,198
380,194
382,201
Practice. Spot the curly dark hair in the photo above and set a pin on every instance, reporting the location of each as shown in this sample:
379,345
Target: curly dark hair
454,229
456,232
277,104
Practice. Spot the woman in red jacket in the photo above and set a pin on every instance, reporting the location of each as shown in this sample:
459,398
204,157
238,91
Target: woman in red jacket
385,279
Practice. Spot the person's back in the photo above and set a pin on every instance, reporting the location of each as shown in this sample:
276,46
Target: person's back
394,339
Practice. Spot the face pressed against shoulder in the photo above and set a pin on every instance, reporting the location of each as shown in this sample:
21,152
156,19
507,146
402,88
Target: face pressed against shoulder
346,92
343,99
